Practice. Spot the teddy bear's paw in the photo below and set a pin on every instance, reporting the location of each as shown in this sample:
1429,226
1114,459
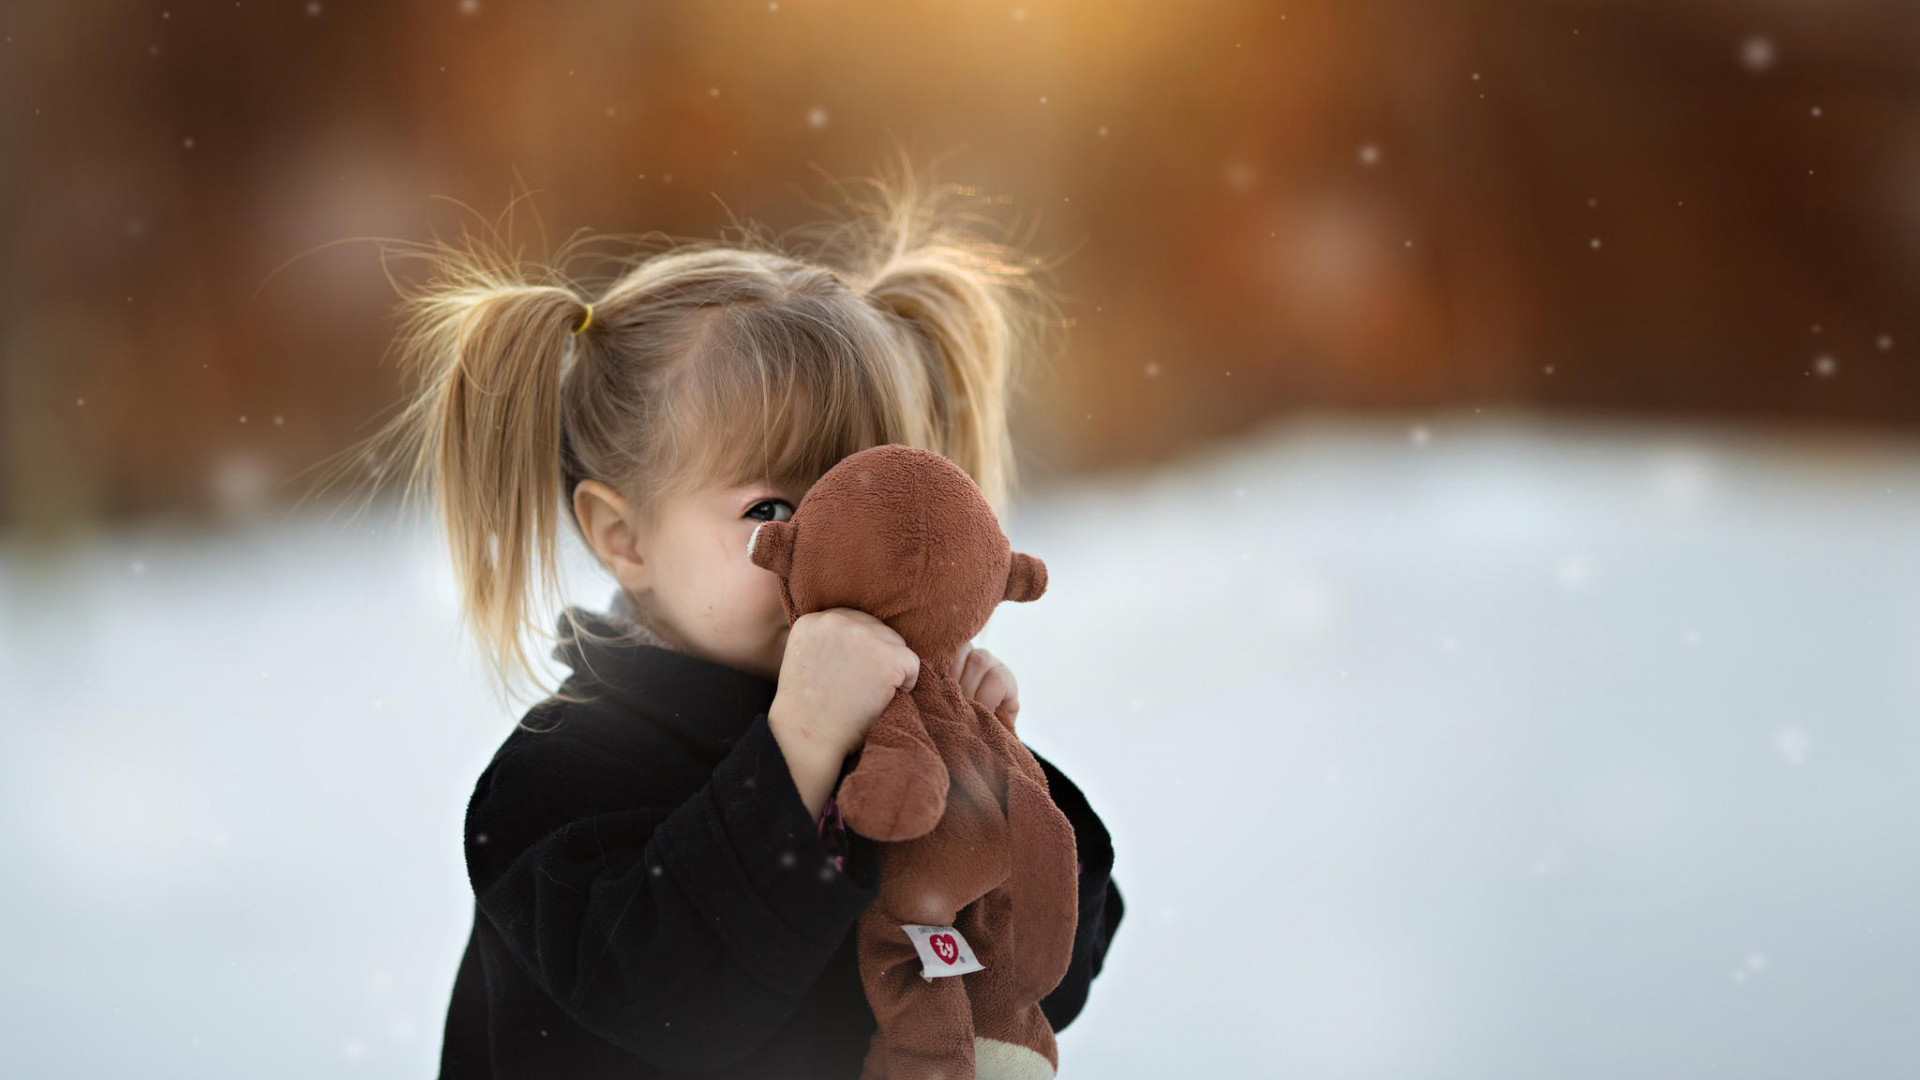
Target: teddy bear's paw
996,1060
892,796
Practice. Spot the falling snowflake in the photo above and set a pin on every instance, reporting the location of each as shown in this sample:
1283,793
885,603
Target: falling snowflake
1575,573
1682,477
1549,862
1792,745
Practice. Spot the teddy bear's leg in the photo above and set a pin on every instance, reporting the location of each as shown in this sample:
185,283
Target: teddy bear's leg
1043,884
1012,1038
925,1026
898,790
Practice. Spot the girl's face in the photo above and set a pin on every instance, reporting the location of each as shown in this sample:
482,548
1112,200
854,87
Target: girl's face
694,580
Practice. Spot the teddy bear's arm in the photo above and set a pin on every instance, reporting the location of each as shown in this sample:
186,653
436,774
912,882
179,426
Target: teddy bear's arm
898,790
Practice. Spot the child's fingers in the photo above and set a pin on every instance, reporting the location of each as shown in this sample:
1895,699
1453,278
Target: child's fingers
978,665
960,663
983,678
909,668
991,682
1009,710
1001,697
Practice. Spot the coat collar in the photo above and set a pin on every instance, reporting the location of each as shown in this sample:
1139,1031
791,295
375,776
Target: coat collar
630,670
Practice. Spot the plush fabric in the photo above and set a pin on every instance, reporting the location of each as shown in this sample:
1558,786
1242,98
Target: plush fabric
969,836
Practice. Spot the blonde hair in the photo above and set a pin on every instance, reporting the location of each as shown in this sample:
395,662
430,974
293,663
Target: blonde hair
709,361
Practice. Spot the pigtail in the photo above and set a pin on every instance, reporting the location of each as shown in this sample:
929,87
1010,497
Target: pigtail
494,449
976,313
484,348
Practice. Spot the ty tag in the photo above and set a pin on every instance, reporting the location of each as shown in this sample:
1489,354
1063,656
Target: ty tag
942,951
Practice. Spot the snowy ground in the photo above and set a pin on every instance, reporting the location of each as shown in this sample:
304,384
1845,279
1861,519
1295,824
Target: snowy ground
1483,750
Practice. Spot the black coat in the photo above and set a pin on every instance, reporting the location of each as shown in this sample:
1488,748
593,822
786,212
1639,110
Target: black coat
653,900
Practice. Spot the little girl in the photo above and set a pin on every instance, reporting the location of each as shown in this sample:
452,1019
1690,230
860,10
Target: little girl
662,886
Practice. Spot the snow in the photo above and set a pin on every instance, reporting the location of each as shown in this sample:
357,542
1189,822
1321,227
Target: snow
1518,750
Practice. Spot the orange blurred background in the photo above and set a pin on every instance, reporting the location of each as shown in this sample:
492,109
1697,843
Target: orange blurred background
1700,209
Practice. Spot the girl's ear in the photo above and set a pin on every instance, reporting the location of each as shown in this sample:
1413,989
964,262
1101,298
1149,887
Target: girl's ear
1026,578
771,546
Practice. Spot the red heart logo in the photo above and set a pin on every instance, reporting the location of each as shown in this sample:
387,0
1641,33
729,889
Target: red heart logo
945,947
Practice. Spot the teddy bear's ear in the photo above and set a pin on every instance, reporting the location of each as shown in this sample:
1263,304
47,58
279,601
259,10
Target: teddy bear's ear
771,546
1026,578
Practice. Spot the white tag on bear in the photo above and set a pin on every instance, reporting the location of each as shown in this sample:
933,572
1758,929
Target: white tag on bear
942,951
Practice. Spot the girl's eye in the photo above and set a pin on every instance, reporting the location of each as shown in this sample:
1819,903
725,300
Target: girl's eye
753,511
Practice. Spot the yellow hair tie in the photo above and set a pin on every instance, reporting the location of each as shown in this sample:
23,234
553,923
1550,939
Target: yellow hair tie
588,321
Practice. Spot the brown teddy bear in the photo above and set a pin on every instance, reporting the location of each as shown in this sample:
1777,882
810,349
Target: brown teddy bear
974,920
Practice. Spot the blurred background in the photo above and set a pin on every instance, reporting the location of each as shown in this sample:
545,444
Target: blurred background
1480,486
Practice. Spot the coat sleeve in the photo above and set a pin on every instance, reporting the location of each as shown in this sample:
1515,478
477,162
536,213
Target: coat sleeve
1100,904
686,934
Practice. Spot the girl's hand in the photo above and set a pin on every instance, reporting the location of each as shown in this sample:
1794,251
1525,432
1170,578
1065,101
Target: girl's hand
841,667
988,681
